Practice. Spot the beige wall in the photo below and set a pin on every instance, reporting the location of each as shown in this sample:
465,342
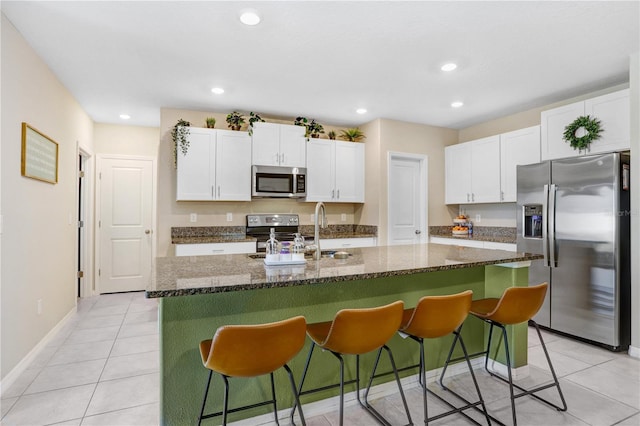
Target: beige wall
39,219
384,136
126,140
213,213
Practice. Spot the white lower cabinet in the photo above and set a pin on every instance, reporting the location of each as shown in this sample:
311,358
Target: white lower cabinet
473,243
215,248
342,243
335,171
613,111
216,167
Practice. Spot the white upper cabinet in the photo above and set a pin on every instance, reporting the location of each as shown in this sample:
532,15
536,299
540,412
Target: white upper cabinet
613,111
217,166
516,148
472,172
278,145
335,171
457,165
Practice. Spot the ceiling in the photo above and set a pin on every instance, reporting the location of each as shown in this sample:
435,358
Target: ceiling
325,59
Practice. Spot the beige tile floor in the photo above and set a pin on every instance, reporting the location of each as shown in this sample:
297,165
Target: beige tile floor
102,369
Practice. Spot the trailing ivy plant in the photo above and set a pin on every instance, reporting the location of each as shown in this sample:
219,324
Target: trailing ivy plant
254,117
179,135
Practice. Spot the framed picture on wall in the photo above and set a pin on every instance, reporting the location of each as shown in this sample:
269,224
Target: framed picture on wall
39,155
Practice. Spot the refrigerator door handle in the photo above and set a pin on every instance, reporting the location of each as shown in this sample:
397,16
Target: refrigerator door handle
553,261
545,225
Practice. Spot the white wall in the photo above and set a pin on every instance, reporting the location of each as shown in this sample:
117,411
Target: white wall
634,79
39,219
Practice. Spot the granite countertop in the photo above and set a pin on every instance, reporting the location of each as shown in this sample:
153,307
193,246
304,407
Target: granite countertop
189,275
236,234
480,233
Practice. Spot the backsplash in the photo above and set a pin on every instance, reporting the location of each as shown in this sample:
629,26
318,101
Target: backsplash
341,230
208,231
506,233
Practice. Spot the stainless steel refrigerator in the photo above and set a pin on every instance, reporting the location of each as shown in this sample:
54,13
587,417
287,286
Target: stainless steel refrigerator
576,213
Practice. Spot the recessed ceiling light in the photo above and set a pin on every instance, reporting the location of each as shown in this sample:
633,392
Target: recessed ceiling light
125,116
250,17
361,111
449,67
456,104
217,90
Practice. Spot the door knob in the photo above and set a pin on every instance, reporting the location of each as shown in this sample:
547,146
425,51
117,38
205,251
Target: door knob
147,231
418,232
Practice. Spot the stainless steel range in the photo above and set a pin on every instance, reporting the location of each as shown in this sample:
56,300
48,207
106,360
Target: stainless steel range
259,227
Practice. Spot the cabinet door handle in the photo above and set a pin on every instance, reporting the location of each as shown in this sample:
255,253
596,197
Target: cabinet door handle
212,192
282,158
218,191
217,251
338,197
501,195
473,197
277,159
467,197
333,194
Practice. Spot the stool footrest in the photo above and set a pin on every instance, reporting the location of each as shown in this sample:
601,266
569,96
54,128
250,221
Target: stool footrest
335,385
234,410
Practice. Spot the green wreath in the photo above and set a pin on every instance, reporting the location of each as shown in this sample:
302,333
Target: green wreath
590,125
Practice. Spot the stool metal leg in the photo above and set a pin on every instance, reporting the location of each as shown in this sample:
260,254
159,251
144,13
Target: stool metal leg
304,375
204,401
295,394
368,406
273,396
524,391
226,400
458,338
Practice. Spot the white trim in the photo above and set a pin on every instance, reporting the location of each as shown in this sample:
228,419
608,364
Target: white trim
382,390
634,352
424,191
20,368
88,287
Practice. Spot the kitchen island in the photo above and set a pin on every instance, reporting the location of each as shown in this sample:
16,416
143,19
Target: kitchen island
200,293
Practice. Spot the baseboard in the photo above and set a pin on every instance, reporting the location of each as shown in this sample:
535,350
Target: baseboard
634,352
382,390
501,370
13,375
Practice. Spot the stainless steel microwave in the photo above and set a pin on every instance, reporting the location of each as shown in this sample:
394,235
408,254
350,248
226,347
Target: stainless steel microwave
279,182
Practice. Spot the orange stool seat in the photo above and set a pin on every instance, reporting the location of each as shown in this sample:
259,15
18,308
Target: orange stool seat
251,351
356,332
515,306
434,317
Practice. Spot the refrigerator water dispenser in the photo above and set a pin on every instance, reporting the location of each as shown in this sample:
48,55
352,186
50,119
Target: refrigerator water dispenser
532,215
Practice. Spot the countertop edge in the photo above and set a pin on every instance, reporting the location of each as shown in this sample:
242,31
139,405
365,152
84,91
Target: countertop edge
150,294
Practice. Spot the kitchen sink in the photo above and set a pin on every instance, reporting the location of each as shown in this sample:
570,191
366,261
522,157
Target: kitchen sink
323,253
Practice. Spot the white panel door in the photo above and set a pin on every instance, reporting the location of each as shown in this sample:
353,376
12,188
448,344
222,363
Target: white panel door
195,174
265,144
485,170
613,111
125,224
407,200
457,167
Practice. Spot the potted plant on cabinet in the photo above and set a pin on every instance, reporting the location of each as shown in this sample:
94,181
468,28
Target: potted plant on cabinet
314,129
331,135
210,122
253,118
235,120
352,135
179,134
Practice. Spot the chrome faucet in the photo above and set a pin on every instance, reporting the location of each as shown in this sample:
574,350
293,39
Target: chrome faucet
316,233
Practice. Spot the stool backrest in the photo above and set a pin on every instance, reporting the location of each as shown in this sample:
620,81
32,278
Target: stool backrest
253,350
358,331
437,316
519,304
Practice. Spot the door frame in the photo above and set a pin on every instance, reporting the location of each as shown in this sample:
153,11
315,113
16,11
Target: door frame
423,161
99,161
85,207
